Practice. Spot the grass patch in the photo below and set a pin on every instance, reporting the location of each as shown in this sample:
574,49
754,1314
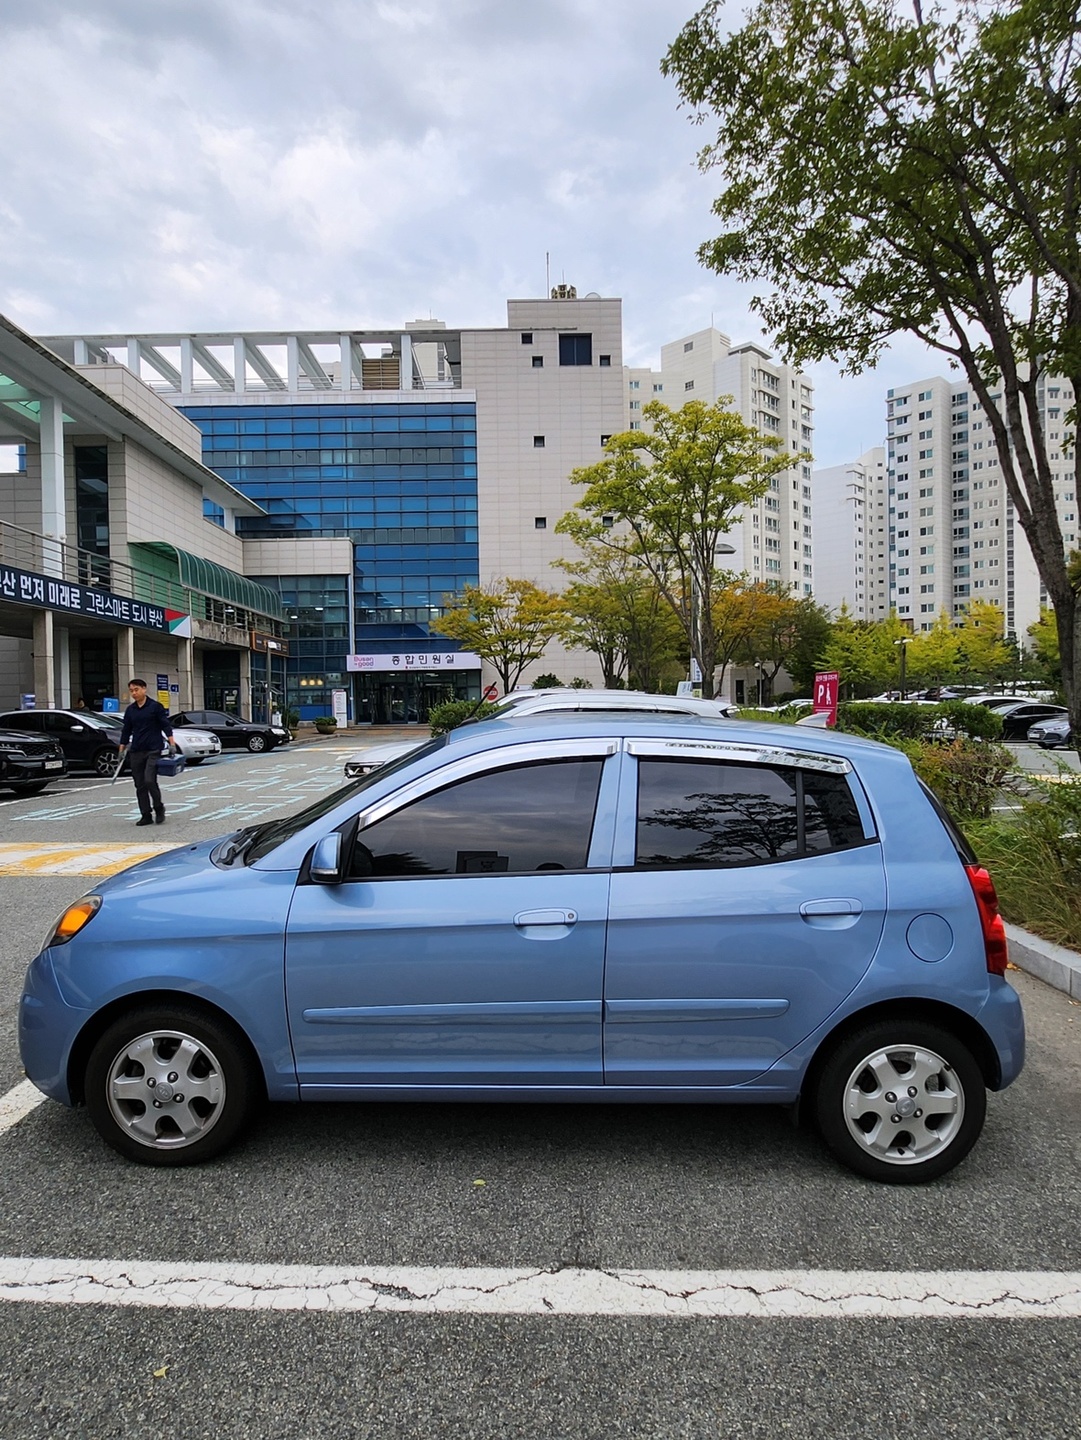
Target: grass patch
1034,857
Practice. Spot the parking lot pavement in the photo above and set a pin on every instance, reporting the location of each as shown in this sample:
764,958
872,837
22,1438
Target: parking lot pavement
490,1188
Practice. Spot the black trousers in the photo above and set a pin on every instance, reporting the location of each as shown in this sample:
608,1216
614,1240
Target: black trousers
144,771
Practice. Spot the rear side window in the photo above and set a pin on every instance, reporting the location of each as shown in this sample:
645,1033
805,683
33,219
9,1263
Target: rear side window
516,820
709,813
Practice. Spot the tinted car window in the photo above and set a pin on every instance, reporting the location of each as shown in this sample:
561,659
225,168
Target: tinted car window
21,720
704,813
526,818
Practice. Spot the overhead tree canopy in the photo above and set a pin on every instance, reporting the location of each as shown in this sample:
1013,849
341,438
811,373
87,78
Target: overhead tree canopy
889,171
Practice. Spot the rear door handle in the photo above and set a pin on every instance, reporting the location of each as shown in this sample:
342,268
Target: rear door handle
831,914
545,917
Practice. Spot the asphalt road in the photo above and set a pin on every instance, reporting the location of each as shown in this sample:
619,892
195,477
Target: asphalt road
680,1188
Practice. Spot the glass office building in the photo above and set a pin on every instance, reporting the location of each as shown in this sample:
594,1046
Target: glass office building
399,480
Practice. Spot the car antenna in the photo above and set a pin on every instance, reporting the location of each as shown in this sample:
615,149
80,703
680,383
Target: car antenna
490,692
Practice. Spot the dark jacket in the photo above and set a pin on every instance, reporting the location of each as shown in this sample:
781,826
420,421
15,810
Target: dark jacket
144,725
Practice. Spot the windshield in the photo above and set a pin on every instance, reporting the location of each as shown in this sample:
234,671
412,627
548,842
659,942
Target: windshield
276,832
105,722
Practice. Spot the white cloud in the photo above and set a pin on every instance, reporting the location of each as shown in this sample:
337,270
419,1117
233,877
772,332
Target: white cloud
359,162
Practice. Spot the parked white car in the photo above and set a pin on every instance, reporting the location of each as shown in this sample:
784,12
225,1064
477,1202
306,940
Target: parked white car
535,702
196,745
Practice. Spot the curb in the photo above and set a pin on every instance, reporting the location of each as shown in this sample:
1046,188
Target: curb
1053,964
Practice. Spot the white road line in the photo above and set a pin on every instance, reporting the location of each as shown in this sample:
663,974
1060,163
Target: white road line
18,1103
660,1294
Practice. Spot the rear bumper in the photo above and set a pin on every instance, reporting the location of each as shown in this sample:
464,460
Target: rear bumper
1004,1022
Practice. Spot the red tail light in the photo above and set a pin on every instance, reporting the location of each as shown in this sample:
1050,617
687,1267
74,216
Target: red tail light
994,931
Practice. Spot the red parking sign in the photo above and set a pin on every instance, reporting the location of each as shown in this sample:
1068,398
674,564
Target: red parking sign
827,683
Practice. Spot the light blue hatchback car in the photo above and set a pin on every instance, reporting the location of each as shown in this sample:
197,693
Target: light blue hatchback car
620,907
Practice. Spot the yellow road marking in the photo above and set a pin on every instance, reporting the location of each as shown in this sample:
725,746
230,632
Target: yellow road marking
74,859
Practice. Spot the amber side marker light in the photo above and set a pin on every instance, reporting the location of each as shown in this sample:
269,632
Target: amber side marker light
73,919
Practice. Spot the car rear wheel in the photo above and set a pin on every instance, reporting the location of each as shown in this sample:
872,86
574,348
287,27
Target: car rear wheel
169,1086
256,743
901,1101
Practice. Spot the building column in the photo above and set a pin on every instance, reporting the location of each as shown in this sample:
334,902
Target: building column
44,661
245,684
53,501
405,376
345,349
185,664
125,658
187,380
63,667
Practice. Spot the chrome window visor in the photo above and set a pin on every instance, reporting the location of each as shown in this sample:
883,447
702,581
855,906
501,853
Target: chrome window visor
479,764
738,750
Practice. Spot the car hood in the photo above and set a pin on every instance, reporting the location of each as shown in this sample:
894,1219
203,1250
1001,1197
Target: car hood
181,863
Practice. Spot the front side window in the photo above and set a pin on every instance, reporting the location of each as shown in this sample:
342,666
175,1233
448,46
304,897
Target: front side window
576,349
523,819
705,813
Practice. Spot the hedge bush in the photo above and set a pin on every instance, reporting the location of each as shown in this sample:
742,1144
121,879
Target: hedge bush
451,714
895,720
967,775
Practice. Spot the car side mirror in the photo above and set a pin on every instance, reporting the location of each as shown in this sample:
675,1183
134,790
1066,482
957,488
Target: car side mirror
76,729
326,864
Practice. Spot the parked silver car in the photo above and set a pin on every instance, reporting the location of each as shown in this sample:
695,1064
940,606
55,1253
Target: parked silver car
539,702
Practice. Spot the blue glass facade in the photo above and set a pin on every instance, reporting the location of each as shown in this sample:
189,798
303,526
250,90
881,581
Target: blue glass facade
398,480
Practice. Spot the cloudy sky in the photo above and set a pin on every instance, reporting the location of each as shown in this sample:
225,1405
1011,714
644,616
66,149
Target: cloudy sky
209,164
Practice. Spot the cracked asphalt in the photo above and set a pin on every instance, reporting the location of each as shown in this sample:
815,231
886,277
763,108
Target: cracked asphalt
612,1189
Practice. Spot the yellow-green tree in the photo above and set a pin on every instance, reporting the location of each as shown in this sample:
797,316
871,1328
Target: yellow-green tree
674,492
508,623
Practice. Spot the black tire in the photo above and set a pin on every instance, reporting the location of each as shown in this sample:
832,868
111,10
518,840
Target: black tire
257,744
143,1045
103,762
913,1062
34,787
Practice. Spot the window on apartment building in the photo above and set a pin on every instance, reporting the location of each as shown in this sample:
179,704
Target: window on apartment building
688,345
527,337
636,385
688,384
538,362
538,442
540,522
605,439
608,521
657,389
604,359
576,349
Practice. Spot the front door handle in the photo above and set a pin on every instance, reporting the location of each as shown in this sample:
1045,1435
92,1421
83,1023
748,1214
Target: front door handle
545,917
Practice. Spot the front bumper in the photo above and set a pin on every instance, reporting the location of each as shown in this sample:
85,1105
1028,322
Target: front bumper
26,769
48,1027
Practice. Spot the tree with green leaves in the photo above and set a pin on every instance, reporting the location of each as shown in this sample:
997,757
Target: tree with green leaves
615,611
888,172
509,624
673,493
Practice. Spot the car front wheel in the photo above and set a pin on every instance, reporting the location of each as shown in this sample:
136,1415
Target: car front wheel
901,1101
169,1086
104,762
256,743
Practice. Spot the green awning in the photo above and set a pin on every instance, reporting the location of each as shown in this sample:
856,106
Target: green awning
208,578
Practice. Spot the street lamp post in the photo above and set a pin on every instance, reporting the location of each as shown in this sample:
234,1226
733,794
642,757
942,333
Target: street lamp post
904,642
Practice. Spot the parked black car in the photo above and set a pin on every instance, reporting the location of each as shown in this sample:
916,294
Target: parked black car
233,733
29,762
1017,720
88,741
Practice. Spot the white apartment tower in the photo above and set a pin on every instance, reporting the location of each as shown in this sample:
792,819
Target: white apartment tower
773,538
954,534
851,540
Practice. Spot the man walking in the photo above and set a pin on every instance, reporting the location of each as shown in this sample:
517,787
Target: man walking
145,722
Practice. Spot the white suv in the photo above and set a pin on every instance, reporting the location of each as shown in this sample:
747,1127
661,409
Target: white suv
534,702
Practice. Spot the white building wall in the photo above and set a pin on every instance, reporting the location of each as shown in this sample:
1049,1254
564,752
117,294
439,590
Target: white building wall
848,503
535,424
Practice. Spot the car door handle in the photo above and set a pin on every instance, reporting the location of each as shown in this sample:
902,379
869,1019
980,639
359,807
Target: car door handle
831,914
526,918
